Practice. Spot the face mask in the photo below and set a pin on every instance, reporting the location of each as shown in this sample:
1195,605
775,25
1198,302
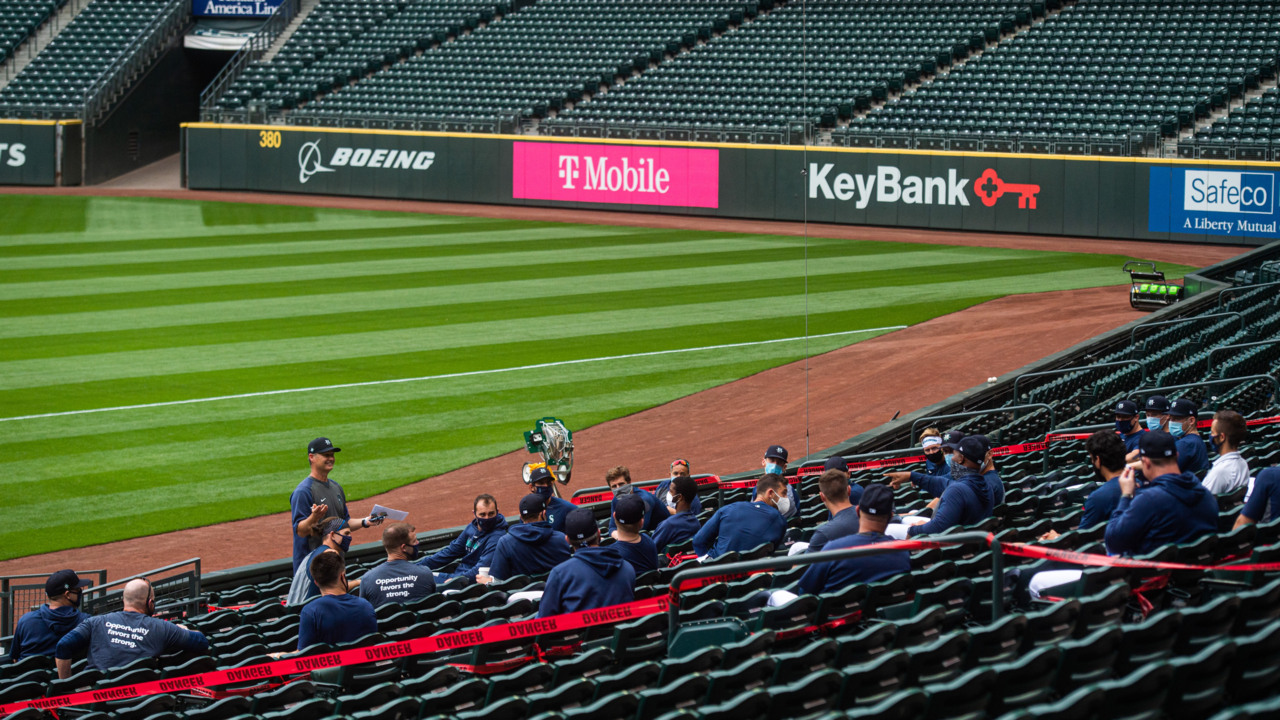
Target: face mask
411,553
784,505
1218,441
543,490
670,499
950,462
1124,427
1153,423
774,468
623,489
76,603
935,457
344,543
1176,430
487,524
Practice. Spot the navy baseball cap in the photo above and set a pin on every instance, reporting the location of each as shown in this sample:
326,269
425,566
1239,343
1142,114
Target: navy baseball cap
321,445
629,509
877,500
1126,408
777,452
975,447
538,475
835,462
531,505
1157,405
62,581
580,525
951,439
1158,444
1183,408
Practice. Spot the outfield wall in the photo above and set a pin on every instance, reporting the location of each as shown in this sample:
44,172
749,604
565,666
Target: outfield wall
1128,198
32,152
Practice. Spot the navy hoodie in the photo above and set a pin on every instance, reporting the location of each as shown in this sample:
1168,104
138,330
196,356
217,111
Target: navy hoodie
529,549
1192,454
39,631
1101,503
1173,508
558,510
968,499
740,526
642,555
933,483
594,577
473,548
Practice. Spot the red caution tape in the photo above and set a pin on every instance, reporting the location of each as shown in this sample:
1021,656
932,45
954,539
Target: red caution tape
389,651
1078,558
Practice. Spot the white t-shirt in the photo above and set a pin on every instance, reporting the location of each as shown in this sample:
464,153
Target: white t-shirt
1229,472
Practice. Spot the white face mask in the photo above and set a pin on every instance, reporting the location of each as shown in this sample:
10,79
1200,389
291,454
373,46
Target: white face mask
784,505
670,499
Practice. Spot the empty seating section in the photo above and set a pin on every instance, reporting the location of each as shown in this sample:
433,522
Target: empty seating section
19,19
532,61
1257,122
1101,70
343,40
800,61
65,71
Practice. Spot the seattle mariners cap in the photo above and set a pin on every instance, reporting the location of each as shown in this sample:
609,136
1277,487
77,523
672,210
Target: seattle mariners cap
1157,405
580,525
975,447
776,452
835,462
539,475
1183,408
1126,408
877,500
629,509
532,505
321,445
1158,444
951,439
62,581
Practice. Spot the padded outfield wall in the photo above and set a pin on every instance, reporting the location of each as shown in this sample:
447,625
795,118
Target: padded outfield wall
40,152
1127,198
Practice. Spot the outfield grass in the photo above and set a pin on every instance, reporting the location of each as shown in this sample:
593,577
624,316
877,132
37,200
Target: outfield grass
115,302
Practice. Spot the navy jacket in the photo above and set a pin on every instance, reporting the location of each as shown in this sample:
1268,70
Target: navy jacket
933,484
39,631
844,524
1131,440
557,510
1101,503
664,487
529,549
642,555
1192,454
838,574
676,529
654,510
335,619
594,577
968,499
740,526
791,495
473,548
1173,508
1262,502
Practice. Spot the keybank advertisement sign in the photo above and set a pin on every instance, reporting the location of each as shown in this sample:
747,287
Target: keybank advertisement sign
234,8
616,174
1214,202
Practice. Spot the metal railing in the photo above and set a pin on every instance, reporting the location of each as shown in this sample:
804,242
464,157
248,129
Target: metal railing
136,57
18,597
1066,371
1180,321
778,563
254,48
1275,386
1205,149
990,411
1209,360
1234,290
178,591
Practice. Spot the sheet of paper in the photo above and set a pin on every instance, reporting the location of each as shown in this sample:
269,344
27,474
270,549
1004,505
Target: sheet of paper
392,515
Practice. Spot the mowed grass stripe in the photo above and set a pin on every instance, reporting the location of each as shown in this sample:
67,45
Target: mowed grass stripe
352,347
310,315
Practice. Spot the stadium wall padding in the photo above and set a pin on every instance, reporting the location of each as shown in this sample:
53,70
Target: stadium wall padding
1126,198
29,152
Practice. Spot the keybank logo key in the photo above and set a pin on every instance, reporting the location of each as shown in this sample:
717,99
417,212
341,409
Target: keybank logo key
1229,192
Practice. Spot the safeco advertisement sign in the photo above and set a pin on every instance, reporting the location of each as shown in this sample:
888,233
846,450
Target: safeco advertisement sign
1213,202
616,174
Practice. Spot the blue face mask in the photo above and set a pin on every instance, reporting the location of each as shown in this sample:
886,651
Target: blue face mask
1153,423
1124,427
774,468
485,525
345,544
543,490
1176,430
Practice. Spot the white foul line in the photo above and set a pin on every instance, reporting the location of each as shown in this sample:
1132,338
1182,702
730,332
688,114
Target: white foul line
445,376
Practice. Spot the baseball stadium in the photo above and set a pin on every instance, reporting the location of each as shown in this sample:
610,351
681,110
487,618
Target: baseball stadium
725,359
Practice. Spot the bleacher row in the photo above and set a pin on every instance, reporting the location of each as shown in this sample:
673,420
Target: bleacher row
19,20
1118,643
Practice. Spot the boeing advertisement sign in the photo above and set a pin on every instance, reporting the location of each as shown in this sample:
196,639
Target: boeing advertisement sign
234,8
1213,202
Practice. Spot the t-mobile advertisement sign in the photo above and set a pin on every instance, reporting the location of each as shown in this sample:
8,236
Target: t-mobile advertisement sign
620,174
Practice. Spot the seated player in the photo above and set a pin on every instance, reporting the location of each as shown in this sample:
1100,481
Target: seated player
594,577
532,547
399,579
635,547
